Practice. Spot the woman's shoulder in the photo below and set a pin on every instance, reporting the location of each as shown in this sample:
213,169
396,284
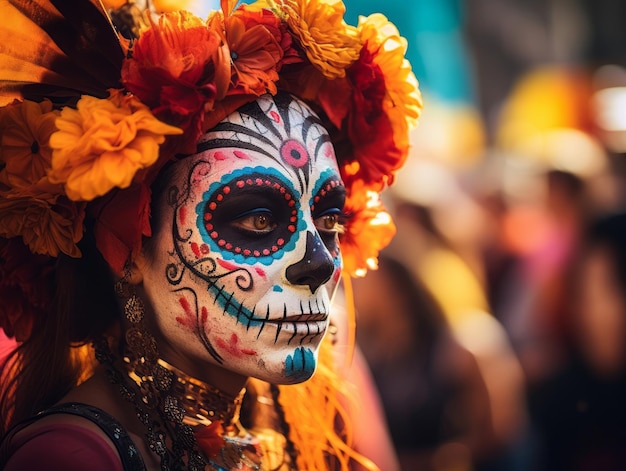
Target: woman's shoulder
60,442
70,436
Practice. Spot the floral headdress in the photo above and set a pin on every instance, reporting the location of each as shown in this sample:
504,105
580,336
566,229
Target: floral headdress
91,113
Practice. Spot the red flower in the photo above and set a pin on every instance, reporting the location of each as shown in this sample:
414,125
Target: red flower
26,287
278,29
355,106
122,220
210,438
255,54
177,68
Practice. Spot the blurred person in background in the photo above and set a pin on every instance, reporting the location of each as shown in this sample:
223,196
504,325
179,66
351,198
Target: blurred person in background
442,234
554,177
579,412
432,391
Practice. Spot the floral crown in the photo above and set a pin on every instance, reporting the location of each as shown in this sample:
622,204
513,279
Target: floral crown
91,112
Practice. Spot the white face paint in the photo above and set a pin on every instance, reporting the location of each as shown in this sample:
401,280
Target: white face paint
246,260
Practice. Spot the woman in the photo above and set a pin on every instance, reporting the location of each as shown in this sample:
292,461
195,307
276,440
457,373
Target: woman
579,413
172,207
432,390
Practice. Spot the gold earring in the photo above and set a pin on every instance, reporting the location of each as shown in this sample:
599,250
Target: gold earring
122,286
134,309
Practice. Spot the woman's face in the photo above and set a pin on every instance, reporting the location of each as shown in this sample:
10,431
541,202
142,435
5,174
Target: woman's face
243,267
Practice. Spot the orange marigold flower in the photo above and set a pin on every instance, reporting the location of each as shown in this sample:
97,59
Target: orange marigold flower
103,143
252,16
369,229
376,104
25,129
46,220
403,101
179,68
330,44
254,50
114,3
163,6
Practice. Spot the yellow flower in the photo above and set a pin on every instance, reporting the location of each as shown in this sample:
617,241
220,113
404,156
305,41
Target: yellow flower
114,3
163,6
48,222
403,102
330,44
103,143
25,129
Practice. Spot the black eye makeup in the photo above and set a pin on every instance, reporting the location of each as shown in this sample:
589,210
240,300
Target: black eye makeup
252,215
327,209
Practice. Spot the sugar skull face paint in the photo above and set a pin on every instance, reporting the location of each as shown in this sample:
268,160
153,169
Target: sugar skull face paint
247,258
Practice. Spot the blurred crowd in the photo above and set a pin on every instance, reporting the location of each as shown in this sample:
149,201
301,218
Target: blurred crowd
495,326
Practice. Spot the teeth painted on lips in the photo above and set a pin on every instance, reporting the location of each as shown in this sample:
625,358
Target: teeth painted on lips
302,331
302,318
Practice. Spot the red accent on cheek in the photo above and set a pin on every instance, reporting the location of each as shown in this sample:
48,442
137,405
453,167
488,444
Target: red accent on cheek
337,274
227,265
275,116
185,305
204,315
182,215
219,155
182,321
260,272
232,348
241,155
196,249
189,319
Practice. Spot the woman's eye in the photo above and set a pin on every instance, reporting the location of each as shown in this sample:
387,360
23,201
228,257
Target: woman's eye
329,222
256,221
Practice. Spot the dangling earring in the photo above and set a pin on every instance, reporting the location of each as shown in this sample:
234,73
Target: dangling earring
134,308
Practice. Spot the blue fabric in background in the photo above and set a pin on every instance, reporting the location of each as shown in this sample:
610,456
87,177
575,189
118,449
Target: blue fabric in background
436,49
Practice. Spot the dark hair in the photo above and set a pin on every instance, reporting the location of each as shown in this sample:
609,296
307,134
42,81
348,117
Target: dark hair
424,313
609,232
48,364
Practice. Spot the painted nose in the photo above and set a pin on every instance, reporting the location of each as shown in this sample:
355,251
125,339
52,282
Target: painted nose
315,268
